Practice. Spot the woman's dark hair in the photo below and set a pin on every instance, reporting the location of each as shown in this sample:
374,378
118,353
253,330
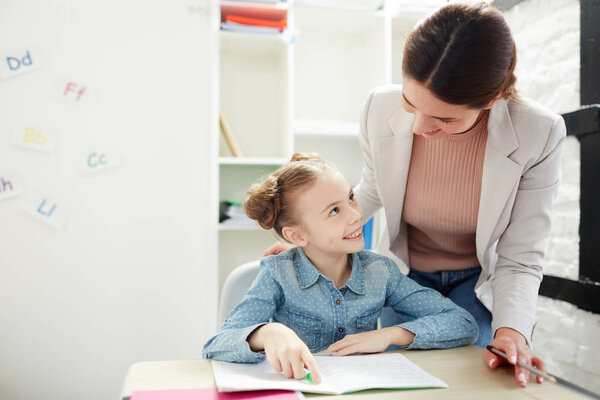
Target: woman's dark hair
464,54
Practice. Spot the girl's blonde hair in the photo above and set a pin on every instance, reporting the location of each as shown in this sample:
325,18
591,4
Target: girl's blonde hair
271,202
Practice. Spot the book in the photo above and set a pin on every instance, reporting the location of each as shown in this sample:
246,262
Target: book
242,28
339,375
213,394
241,19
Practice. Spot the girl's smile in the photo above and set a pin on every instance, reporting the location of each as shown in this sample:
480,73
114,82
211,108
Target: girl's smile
357,234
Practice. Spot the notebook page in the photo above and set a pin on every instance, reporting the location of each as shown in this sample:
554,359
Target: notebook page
339,375
231,377
384,370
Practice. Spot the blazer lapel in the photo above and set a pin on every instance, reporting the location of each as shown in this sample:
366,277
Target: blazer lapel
393,154
500,174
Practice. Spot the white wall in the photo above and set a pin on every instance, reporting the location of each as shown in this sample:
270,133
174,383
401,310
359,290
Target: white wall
547,37
131,276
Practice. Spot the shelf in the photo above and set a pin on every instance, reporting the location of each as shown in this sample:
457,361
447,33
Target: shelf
262,11
278,5
362,6
240,227
339,58
325,128
421,8
268,161
302,90
337,21
254,94
254,43
342,151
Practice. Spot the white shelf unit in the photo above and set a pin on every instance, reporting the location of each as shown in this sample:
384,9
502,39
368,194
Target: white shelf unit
299,91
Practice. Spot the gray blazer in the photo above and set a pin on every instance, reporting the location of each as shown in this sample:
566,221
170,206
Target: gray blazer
521,173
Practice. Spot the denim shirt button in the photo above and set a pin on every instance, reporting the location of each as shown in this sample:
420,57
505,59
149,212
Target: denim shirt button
341,330
338,301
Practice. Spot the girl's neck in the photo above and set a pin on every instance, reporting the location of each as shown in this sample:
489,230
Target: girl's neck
336,267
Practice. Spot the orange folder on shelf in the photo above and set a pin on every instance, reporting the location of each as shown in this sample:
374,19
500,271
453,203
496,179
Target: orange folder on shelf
280,24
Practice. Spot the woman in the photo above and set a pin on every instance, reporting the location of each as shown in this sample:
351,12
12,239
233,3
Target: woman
466,171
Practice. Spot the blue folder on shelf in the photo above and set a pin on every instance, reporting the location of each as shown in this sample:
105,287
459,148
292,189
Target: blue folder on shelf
368,234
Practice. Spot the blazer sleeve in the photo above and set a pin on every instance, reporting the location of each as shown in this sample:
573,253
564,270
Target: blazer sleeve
520,249
366,191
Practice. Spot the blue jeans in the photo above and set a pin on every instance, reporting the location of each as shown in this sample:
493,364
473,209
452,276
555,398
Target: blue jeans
458,286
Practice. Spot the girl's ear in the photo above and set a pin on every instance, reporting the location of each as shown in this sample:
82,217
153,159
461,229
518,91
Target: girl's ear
293,235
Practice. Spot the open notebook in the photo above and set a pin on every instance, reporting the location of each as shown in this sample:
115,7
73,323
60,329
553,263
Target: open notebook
339,375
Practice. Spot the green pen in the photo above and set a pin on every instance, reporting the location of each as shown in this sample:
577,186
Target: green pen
308,377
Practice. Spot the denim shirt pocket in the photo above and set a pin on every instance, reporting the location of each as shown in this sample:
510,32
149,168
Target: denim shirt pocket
307,327
367,322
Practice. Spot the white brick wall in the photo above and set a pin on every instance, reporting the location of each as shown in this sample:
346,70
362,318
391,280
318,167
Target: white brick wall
547,37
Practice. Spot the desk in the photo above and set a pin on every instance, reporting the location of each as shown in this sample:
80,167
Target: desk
461,368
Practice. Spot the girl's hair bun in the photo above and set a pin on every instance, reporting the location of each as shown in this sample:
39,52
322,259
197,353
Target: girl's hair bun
270,202
262,202
306,157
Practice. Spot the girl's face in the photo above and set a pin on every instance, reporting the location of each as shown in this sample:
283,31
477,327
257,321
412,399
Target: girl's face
330,218
435,118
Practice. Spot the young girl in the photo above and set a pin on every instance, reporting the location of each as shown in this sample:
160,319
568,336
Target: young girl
326,294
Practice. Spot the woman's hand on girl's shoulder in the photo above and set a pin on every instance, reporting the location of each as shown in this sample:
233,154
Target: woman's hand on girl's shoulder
514,345
277,248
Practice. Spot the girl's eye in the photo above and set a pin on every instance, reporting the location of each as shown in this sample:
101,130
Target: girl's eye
334,211
351,197
445,122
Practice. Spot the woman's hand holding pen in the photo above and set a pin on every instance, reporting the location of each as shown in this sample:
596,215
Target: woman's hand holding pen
514,345
285,351
371,342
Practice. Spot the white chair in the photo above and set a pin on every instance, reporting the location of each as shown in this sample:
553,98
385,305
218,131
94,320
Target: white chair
235,287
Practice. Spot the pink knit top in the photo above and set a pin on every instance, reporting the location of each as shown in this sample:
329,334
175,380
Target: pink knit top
442,199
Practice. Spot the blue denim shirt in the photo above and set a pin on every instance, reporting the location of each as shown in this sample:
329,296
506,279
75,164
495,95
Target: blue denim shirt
290,290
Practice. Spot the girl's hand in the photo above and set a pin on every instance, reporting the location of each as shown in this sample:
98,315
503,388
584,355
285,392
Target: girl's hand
513,344
285,351
277,248
372,341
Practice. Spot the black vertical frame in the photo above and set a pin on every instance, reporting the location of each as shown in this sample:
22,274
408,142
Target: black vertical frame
589,229
590,51
585,125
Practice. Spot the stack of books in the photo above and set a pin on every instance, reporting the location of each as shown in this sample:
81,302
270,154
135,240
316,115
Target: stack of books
236,23
232,214
253,19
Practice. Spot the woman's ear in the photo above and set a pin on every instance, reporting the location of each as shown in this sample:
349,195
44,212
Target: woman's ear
491,103
293,235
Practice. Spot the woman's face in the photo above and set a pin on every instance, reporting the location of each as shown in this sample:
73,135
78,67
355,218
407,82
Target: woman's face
435,118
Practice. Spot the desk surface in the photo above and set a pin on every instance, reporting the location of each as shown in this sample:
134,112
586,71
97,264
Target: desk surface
461,368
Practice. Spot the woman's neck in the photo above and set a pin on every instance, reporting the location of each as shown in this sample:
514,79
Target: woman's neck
336,267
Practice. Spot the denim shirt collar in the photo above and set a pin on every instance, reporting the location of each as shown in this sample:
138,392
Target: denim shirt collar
308,274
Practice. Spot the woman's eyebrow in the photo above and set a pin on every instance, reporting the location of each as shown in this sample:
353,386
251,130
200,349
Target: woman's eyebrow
411,104
406,100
